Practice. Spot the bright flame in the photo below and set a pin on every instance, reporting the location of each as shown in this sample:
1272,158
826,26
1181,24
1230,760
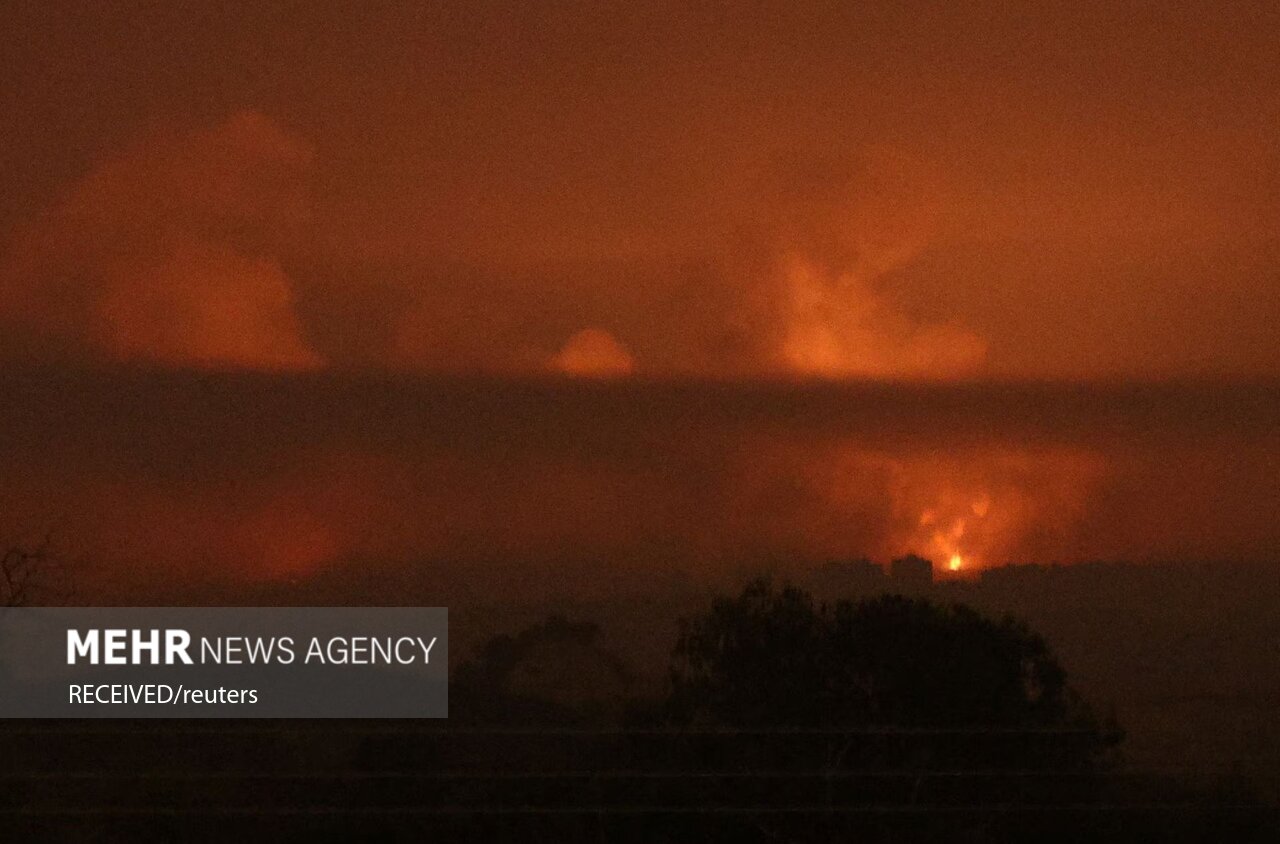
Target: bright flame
980,506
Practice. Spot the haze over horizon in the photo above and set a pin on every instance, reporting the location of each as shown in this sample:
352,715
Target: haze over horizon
689,285
181,476
920,192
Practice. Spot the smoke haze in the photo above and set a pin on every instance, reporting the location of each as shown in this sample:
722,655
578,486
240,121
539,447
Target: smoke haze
285,288
821,190
501,482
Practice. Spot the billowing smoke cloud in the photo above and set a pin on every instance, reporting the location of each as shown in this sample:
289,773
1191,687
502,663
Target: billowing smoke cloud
822,300
837,325
174,251
831,188
168,253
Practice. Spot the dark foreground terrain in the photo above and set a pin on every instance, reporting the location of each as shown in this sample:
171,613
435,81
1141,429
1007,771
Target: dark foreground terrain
1184,681
341,781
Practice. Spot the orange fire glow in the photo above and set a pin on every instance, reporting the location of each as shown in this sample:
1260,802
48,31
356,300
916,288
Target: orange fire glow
593,353
836,325
966,511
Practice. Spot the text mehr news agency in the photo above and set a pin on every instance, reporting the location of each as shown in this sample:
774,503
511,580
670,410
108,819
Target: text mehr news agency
175,647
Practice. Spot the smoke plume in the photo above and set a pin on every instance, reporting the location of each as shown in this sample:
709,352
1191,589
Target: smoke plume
168,253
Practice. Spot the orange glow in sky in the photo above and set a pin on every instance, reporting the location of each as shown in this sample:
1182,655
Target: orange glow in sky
691,223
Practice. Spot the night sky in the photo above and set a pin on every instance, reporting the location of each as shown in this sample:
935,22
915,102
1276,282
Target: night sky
284,285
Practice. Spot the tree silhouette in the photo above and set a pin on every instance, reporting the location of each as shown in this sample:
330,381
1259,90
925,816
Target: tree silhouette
20,568
773,658
552,672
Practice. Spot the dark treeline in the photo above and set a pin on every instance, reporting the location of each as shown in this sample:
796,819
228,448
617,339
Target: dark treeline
783,718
